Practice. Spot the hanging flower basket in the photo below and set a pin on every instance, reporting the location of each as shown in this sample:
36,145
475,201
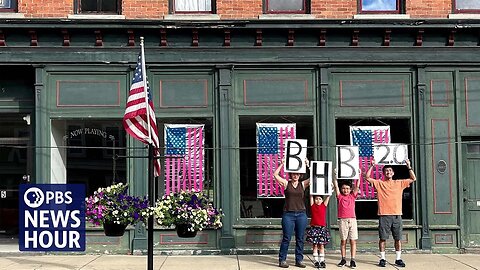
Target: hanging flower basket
114,229
183,232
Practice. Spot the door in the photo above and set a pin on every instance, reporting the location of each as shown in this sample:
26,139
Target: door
15,168
471,178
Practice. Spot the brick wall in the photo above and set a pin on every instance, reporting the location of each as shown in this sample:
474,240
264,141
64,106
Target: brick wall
429,8
334,9
232,9
45,8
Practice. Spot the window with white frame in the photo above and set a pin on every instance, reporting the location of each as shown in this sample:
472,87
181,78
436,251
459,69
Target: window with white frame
466,6
8,5
380,6
98,6
192,6
285,6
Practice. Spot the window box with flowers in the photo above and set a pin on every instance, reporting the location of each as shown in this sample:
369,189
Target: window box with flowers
189,212
114,209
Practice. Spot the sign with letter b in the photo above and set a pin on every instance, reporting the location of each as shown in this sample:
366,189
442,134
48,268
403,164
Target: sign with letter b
347,162
295,156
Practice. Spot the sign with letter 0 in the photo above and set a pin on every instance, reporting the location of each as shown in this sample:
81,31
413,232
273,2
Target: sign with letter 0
347,162
320,177
295,156
393,154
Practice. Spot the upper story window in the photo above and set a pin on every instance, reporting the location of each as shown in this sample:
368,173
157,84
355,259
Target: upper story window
466,6
193,6
380,6
8,5
285,6
98,6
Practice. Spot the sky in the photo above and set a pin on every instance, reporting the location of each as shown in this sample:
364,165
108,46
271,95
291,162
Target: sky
379,5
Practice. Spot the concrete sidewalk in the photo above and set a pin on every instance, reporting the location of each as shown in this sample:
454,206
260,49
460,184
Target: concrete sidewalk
225,262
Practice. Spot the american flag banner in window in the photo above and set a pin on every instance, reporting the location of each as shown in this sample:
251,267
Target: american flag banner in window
184,157
365,137
270,152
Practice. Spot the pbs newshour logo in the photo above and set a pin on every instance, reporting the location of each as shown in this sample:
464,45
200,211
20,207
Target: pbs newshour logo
52,217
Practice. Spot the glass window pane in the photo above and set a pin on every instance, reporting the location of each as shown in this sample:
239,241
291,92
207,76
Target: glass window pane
109,6
89,5
285,5
91,148
467,4
379,5
193,5
5,3
259,195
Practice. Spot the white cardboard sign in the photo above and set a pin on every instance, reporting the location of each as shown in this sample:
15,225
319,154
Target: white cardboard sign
321,178
392,154
347,162
295,156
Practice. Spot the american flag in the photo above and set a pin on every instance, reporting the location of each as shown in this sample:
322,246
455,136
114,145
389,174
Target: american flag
270,152
365,137
184,157
137,112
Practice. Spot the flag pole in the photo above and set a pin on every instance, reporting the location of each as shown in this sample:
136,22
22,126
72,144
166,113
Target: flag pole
151,196
151,177
145,87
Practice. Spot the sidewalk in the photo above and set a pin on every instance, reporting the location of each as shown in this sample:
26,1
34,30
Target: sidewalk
225,262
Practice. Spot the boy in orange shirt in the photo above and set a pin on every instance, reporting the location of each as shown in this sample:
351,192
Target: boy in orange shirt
389,194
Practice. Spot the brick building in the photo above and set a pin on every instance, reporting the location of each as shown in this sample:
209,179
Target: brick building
323,65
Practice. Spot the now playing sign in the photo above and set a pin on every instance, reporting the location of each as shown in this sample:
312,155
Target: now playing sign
52,217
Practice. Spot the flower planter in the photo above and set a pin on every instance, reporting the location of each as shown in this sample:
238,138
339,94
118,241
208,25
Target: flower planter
183,232
114,229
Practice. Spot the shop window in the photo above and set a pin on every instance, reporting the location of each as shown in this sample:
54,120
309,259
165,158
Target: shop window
193,6
98,6
93,148
466,6
381,6
366,206
286,6
254,201
8,5
187,155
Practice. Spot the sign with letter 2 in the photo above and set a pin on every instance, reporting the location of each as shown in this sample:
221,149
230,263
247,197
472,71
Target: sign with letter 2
320,177
393,154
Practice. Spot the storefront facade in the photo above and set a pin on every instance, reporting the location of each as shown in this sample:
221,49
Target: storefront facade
64,86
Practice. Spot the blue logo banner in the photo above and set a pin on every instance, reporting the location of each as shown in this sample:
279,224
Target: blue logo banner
52,217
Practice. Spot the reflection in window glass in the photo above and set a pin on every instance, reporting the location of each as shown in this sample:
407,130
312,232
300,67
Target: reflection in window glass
5,3
379,5
193,5
91,148
467,4
251,205
285,5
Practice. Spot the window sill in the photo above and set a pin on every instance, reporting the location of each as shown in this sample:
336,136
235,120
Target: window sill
464,16
286,17
12,15
381,16
95,17
190,17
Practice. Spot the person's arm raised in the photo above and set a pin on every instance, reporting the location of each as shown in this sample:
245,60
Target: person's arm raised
368,175
411,173
280,180
335,182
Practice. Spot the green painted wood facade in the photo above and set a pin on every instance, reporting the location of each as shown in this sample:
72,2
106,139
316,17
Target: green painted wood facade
422,76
